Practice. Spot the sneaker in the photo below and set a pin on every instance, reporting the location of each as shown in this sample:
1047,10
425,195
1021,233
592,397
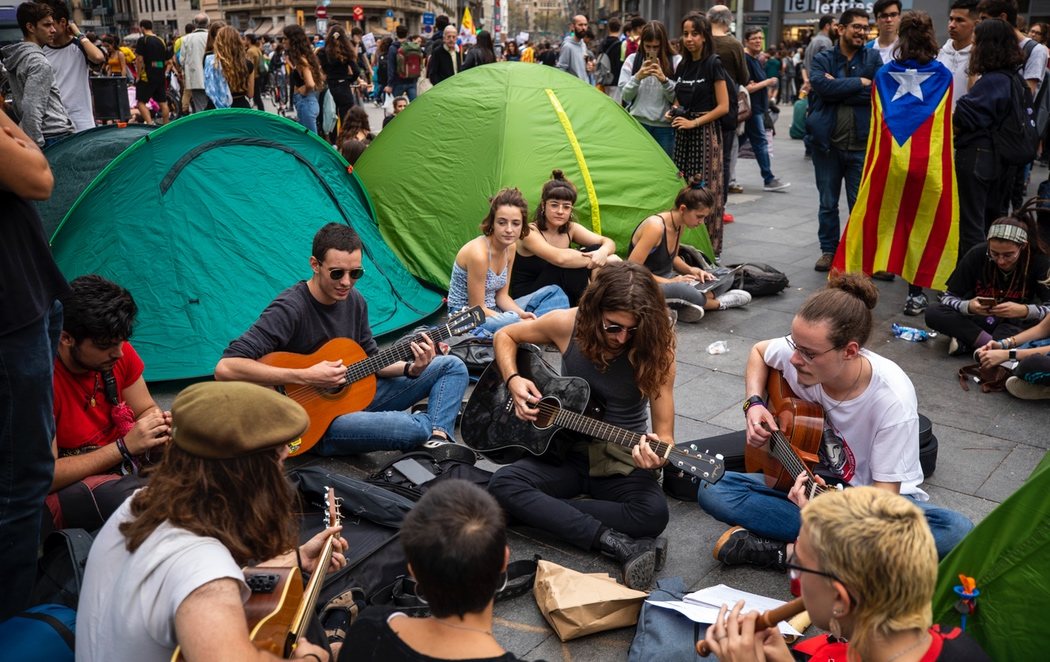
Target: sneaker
727,217
738,546
734,299
1019,388
735,188
690,313
636,556
883,275
775,185
956,348
915,305
824,262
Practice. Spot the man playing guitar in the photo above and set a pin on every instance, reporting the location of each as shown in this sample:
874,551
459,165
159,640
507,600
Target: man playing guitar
306,315
870,436
620,341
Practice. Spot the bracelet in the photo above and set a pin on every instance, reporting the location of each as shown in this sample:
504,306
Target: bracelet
752,401
506,382
408,365
126,454
1007,343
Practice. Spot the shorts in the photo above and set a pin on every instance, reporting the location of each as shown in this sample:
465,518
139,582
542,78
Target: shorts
156,89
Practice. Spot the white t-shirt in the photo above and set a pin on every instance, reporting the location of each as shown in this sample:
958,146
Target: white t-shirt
958,62
71,77
885,52
880,427
1034,67
128,601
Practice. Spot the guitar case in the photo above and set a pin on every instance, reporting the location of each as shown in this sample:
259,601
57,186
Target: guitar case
681,486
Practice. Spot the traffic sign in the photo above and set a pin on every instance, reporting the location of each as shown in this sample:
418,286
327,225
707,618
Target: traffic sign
358,13
390,13
322,26
428,18
321,12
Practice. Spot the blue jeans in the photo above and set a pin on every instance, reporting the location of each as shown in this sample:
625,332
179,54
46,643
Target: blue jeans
407,88
385,425
744,500
307,108
543,300
755,133
663,135
831,168
27,425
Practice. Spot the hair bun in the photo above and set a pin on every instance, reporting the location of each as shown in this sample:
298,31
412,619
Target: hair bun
557,174
858,285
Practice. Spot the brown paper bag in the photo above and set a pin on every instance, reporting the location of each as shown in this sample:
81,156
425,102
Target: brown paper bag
576,604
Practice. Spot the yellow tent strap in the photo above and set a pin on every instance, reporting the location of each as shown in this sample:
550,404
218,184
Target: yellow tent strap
596,217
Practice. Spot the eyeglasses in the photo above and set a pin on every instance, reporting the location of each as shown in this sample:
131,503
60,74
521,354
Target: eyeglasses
617,329
795,570
1006,257
887,16
858,27
355,274
559,206
807,355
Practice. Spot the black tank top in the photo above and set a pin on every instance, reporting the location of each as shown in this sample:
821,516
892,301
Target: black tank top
625,406
659,262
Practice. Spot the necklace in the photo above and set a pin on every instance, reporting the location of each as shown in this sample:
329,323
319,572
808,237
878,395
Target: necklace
677,227
909,648
845,396
463,627
89,396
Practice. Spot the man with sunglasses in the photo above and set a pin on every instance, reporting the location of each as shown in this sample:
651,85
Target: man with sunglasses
309,314
620,340
870,430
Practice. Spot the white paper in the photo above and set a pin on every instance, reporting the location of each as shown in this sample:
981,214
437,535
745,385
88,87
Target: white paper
702,606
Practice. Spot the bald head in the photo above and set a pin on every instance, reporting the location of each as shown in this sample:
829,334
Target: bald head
720,16
201,20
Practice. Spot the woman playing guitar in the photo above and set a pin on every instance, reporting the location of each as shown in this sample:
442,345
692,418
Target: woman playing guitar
869,436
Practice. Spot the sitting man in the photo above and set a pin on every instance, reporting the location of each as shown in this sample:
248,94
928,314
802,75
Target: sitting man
620,340
165,570
871,427
310,313
106,422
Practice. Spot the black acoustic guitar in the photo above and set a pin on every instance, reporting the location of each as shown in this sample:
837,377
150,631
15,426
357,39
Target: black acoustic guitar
491,427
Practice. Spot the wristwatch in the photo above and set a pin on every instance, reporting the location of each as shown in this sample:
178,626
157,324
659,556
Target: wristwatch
1013,354
753,400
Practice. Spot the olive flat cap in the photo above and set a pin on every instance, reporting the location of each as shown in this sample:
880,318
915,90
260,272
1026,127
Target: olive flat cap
222,420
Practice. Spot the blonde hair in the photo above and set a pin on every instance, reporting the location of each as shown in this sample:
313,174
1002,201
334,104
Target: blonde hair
233,61
880,546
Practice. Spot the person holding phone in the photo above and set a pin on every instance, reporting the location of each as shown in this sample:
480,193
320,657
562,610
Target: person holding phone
998,289
647,84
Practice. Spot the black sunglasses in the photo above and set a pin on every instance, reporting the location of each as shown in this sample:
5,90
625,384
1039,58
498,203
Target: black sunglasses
355,274
616,329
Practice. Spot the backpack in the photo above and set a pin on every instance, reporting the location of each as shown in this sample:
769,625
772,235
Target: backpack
476,353
409,60
411,474
665,634
44,633
760,279
1016,142
603,74
61,569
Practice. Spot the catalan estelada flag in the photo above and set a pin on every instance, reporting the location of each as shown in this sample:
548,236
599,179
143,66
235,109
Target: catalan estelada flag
906,217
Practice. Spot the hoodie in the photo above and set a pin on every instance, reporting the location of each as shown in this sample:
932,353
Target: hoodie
35,92
958,62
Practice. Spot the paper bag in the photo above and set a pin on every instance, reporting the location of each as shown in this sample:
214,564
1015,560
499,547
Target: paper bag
576,604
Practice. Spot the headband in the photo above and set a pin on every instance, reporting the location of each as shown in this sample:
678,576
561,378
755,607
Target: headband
1008,232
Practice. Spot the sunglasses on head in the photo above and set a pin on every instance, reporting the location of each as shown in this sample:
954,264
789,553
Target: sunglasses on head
616,329
355,274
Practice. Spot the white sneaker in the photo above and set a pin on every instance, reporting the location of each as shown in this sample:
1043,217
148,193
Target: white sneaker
734,299
690,313
775,185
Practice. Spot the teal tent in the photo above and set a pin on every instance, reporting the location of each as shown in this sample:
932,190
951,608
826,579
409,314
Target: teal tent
1008,554
432,170
206,219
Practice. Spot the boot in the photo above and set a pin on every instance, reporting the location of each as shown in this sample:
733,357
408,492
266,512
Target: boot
637,558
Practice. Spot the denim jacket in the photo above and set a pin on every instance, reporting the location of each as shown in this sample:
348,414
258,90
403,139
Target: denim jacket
829,94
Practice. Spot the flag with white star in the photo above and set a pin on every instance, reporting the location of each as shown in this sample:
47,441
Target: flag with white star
906,217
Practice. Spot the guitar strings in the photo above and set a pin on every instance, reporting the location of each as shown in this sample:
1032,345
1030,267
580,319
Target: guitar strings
792,462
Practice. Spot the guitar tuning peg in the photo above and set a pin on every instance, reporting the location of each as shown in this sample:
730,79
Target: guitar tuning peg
693,447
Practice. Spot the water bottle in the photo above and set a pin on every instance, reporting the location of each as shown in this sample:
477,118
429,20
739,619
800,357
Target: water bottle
912,334
718,347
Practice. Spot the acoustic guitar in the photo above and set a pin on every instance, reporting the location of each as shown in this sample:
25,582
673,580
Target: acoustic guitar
493,429
325,404
279,608
793,448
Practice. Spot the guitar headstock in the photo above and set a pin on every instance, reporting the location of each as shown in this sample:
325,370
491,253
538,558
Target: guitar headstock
465,321
692,461
332,515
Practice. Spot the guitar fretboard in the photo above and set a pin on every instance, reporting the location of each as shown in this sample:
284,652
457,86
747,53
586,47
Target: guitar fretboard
592,427
401,351
781,449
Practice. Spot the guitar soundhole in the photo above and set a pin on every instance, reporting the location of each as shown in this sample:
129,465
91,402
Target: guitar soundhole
548,410
263,583
332,392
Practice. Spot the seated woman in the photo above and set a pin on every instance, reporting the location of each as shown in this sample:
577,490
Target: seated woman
455,541
655,244
482,270
867,565
998,289
1031,347
545,255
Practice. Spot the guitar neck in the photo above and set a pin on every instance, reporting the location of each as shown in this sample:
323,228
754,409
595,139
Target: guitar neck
592,427
401,351
781,449
310,594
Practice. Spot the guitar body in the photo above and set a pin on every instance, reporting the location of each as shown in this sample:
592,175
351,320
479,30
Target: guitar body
802,423
490,426
324,405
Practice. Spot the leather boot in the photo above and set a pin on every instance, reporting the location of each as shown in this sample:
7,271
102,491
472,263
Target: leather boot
637,557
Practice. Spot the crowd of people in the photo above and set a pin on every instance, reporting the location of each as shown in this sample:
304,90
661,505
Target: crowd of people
182,499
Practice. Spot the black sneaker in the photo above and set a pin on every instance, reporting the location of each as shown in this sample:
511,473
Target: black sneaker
738,546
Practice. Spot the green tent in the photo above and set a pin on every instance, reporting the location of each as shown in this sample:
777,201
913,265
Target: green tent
1008,554
432,170
206,219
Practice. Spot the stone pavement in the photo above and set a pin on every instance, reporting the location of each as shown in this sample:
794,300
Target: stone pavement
989,443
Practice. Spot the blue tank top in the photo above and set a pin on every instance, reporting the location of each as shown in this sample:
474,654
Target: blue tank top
457,287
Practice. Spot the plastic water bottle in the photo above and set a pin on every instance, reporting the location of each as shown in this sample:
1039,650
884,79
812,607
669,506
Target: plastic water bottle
718,347
912,334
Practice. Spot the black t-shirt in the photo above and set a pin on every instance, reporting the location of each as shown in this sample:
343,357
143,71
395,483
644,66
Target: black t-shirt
371,633
154,53
759,99
695,83
975,276
29,278
337,71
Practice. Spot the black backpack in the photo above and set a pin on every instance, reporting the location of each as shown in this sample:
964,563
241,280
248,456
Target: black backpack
1016,141
60,572
411,474
760,279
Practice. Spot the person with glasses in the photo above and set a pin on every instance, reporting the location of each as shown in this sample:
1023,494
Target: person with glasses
621,342
546,256
484,266
867,568
329,305
870,436
998,289
887,19
1038,32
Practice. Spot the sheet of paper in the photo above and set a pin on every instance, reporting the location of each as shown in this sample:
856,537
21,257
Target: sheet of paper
702,606
707,614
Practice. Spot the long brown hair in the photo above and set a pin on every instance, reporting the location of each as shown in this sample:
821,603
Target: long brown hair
655,31
233,61
338,47
299,49
213,29
628,287
915,38
245,503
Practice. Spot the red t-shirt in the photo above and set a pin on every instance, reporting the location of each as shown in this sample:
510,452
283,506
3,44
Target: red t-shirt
77,423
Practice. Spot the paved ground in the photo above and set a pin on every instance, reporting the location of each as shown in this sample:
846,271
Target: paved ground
988,442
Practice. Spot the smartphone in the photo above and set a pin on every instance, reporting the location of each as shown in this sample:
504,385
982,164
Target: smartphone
986,302
649,57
